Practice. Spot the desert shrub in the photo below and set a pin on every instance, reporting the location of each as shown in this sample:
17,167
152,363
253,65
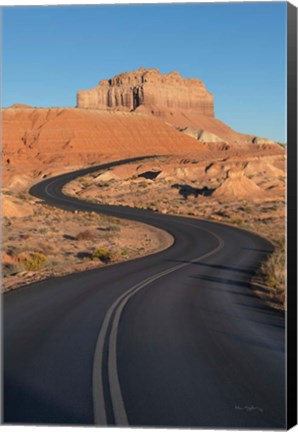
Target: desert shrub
10,269
28,219
7,192
52,263
25,236
44,248
125,251
42,230
82,180
236,221
103,185
34,261
87,259
114,228
102,254
14,251
85,235
23,196
274,272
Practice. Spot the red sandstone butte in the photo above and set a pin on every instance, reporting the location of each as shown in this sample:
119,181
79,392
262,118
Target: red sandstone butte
148,88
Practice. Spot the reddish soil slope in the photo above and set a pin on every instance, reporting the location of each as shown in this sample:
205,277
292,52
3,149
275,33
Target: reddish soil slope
58,137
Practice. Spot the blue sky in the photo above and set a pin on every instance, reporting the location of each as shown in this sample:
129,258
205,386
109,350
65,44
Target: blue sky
237,49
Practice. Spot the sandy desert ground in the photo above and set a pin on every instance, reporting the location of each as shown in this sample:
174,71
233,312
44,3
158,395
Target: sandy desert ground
42,242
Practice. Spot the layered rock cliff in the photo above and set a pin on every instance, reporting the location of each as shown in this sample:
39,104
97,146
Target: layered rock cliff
148,88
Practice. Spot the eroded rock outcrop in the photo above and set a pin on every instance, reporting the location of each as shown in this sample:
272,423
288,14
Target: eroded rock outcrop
238,187
148,88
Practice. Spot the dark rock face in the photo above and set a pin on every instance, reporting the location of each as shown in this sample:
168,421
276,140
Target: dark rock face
148,88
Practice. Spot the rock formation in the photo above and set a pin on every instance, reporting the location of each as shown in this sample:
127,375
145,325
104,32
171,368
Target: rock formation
238,187
203,136
184,103
148,88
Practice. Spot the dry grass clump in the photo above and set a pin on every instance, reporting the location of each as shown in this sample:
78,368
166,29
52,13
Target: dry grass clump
103,255
273,271
35,261
10,269
85,235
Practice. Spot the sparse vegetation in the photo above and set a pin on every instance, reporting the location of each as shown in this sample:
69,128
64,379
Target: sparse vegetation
39,246
103,255
124,251
7,192
273,271
35,261
236,221
103,185
85,235
115,228
10,269
25,236
23,196
42,230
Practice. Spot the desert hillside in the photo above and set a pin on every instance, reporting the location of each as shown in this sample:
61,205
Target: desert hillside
39,139
43,141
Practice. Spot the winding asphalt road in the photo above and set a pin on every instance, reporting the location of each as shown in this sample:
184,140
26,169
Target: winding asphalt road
174,339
